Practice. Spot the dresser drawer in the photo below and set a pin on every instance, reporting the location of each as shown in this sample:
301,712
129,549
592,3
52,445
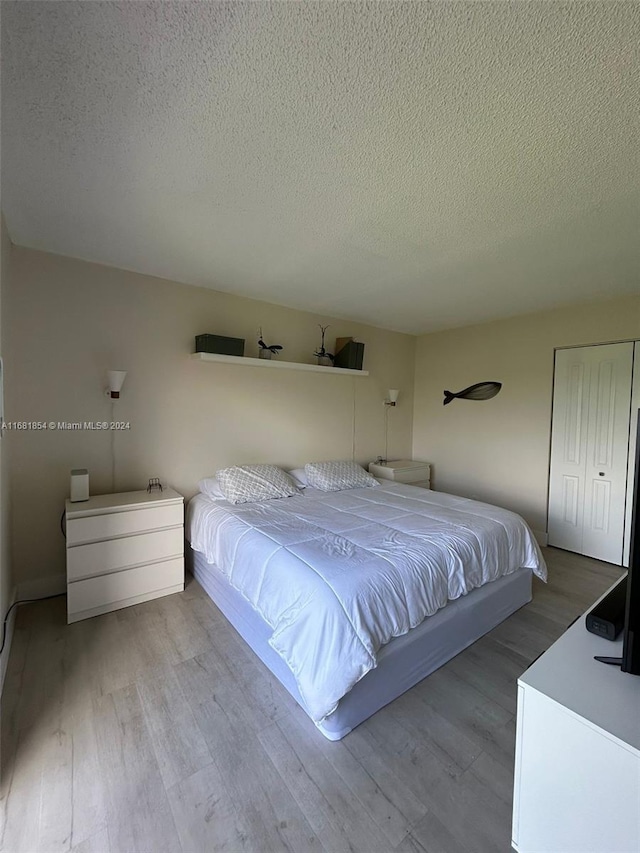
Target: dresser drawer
92,528
423,484
413,477
119,586
97,558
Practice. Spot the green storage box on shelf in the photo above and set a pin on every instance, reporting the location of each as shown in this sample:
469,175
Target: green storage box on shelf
220,344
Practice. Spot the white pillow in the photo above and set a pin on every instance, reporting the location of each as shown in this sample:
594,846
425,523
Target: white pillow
247,483
211,488
335,476
299,477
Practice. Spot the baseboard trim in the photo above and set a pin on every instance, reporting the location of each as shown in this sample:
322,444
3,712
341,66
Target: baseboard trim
41,587
542,537
4,657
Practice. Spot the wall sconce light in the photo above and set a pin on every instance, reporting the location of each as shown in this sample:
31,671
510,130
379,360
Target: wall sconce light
392,397
115,381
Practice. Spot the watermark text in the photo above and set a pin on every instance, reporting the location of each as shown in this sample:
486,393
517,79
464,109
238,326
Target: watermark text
64,426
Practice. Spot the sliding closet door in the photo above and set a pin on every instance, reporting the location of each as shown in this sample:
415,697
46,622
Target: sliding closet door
589,450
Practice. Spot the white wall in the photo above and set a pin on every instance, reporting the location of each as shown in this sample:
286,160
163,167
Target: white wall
498,450
66,322
6,580
70,321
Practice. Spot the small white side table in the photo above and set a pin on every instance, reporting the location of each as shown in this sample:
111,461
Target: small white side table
123,549
403,471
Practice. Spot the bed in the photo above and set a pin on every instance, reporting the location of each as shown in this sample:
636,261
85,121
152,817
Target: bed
352,597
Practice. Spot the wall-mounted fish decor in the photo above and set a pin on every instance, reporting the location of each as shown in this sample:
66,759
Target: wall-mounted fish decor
479,391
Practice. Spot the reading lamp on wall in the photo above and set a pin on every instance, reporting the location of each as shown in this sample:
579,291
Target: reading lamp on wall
392,397
115,381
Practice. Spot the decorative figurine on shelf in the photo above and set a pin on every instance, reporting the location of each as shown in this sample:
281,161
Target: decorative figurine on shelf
154,483
324,357
265,351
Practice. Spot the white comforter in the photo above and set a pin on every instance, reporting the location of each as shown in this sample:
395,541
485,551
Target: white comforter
339,574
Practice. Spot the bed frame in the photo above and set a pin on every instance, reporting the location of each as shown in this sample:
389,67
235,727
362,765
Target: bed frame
401,663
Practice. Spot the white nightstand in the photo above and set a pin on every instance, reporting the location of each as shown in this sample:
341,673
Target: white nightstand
123,549
403,471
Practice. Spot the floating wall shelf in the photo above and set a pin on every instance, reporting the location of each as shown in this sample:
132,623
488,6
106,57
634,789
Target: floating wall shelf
272,362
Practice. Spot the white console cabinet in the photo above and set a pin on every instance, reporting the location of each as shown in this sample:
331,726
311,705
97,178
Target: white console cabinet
577,771
123,549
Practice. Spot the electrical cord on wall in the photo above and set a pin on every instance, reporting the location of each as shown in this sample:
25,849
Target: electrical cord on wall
113,449
353,434
15,604
386,433
30,600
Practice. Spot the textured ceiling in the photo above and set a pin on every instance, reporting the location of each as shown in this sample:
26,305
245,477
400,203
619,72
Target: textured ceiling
411,165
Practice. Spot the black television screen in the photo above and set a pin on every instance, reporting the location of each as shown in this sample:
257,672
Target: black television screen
630,660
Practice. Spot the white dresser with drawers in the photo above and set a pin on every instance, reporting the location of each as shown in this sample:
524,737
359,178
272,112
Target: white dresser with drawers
577,763
123,549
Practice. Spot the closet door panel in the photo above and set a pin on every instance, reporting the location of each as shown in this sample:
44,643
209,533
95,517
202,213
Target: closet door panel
568,449
607,451
589,450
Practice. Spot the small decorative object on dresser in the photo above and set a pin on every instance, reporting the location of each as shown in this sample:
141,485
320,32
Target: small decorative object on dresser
79,485
123,549
403,471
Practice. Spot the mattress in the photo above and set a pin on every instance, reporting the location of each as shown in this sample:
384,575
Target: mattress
336,576
402,663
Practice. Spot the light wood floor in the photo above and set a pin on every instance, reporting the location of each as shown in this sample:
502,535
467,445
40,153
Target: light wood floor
156,729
